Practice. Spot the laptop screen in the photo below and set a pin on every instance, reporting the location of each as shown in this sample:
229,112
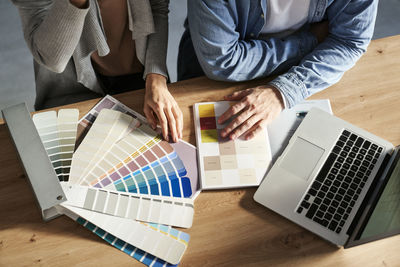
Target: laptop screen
385,217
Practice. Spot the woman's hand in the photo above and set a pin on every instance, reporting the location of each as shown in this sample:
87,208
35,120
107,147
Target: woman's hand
256,108
160,105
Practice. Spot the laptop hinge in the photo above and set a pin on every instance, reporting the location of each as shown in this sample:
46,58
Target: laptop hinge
371,198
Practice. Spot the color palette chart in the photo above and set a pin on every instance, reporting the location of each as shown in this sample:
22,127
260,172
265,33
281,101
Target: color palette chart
227,163
123,182
120,152
138,162
186,152
58,134
124,170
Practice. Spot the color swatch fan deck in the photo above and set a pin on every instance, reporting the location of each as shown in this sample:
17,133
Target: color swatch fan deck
226,163
123,182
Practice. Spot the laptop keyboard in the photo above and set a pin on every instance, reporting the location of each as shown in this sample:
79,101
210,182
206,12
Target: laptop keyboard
339,183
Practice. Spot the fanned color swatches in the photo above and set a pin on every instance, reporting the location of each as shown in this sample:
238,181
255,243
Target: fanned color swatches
123,182
110,126
141,163
132,161
186,151
58,135
123,172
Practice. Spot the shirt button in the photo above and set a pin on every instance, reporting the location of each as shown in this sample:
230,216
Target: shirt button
262,15
252,34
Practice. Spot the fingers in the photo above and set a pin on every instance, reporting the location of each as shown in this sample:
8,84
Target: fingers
254,130
233,110
163,122
239,120
244,126
150,116
172,124
237,95
179,120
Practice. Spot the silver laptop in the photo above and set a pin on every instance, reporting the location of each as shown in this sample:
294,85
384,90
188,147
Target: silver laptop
336,180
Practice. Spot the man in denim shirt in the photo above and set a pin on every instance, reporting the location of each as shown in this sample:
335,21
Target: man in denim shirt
236,40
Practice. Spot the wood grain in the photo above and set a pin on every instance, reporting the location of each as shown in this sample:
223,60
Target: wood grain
229,228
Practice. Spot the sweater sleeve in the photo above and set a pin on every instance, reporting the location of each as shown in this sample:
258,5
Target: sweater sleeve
52,30
156,51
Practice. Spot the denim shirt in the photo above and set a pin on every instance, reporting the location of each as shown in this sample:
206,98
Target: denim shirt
225,36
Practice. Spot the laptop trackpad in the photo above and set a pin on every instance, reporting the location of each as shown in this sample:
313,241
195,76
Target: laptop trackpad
302,158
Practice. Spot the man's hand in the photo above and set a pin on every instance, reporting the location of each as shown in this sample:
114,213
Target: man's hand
320,30
160,104
257,107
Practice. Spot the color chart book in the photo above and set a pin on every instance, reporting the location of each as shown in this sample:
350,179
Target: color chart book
225,163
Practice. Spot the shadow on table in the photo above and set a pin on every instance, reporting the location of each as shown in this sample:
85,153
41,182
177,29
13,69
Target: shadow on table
284,241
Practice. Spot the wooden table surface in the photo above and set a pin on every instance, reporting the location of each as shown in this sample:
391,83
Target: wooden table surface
229,228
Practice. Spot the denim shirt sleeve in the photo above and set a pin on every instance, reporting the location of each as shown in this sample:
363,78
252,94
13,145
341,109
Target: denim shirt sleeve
351,25
226,55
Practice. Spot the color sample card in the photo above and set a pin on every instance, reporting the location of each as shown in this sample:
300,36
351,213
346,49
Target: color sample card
227,163
58,135
109,127
184,151
147,208
138,254
67,122
159,241
138,162
145,164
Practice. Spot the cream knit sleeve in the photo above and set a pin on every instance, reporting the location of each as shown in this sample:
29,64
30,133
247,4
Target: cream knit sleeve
52,29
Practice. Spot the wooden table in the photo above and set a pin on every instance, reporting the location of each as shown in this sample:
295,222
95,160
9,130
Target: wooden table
229,229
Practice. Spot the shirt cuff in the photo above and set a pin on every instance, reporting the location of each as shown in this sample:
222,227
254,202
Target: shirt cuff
284,100
293,90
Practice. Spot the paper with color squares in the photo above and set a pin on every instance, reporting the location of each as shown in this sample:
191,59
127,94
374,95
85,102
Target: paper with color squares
225,163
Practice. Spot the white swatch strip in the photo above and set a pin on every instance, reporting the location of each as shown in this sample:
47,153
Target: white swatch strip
148,208
67,123
140,235
109,126
46,125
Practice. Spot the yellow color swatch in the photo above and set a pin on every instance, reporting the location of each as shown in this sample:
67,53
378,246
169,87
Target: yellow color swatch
209,136
206,110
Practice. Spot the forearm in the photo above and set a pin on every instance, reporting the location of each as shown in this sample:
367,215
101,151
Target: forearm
52,32
157,43
350,34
